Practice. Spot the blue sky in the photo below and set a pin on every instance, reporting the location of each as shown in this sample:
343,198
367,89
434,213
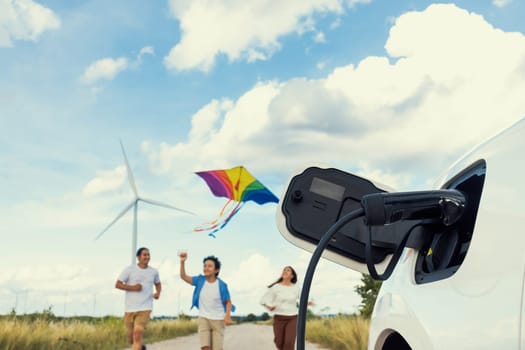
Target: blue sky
394,91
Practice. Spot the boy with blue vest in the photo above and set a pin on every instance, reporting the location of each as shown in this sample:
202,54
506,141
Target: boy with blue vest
212,298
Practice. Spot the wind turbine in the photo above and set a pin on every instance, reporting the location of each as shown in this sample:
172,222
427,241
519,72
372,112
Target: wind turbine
17,292
134,204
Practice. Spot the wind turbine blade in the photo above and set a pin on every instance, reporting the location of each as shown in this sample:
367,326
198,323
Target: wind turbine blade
116,219
150,201
131,179
135,229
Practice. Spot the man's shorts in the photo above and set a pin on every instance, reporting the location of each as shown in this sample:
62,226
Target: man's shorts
136,318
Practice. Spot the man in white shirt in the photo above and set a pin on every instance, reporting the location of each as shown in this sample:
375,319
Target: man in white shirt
138,281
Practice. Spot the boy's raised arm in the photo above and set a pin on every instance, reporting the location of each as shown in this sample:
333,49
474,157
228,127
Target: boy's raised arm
183,274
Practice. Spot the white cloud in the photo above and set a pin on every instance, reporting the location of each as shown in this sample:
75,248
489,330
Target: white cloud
49,277
106,68
205,120
501,3
218,129
146,50
411,112
319,37
352,3
61,287
105,181
252,274
24,20
335,24
240,30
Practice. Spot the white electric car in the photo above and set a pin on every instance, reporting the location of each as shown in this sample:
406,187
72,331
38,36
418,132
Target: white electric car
452,258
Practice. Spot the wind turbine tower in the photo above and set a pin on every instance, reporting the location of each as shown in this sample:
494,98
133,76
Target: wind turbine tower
134,204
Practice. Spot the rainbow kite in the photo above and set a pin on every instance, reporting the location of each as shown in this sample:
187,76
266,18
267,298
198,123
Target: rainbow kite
239,186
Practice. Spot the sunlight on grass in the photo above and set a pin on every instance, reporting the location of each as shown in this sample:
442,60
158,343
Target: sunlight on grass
339,333
101,334
47,332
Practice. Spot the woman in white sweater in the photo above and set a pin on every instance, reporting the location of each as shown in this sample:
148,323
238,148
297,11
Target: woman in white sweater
282,299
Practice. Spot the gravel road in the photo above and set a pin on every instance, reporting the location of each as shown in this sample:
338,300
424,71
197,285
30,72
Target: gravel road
238,337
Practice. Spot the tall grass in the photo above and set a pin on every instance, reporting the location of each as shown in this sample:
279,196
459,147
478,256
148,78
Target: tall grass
47,332
344,332
71,334
169,329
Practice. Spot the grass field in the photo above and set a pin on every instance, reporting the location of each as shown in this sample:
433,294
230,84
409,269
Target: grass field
343,332
43,332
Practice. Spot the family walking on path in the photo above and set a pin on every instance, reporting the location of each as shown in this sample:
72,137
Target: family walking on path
212,298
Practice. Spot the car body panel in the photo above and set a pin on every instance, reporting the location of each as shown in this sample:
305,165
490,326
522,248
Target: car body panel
481,305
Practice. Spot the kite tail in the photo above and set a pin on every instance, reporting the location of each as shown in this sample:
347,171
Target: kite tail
220,222
215,223
230,216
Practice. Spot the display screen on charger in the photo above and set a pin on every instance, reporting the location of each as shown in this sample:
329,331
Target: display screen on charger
327,189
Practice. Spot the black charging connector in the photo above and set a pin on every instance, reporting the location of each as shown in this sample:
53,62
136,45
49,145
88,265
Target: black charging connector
444,206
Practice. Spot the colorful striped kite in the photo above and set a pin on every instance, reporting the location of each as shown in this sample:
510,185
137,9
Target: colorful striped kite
239,186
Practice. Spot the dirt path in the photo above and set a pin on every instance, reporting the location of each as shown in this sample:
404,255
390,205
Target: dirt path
238,337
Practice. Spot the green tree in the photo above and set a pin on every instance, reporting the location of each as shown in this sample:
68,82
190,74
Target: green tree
368,291
250,318
183,316
264,316
310,315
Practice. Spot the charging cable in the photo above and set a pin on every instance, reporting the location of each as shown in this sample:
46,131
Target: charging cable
321,246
